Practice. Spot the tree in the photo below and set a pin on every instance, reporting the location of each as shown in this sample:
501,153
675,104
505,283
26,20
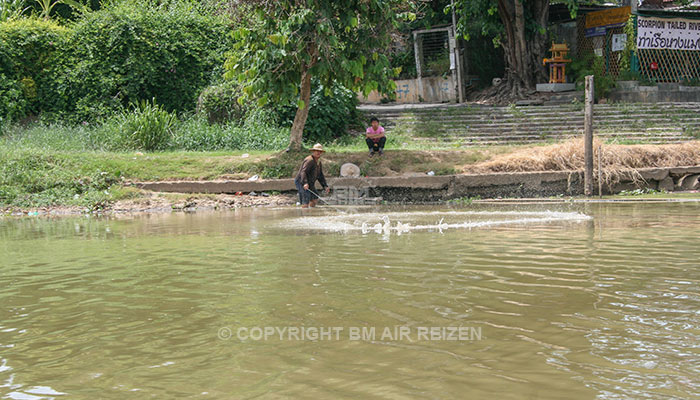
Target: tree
520,27
283,44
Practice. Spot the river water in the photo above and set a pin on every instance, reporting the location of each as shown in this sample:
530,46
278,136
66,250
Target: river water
550,301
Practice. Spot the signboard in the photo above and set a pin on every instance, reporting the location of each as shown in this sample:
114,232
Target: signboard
618,42
598,22
668,33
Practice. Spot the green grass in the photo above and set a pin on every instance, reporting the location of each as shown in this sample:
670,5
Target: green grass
48,165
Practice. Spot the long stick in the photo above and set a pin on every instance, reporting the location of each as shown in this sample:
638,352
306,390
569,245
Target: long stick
319,197
327,203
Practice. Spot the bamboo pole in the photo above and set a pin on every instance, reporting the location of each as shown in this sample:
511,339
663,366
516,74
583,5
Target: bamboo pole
600,169
588,132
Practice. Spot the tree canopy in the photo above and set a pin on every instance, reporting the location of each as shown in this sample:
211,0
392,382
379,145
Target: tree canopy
285,43
520,27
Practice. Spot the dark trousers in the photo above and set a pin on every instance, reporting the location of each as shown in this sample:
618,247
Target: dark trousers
305,196
376,146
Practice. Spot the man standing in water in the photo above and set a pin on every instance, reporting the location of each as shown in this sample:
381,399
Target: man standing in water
309,172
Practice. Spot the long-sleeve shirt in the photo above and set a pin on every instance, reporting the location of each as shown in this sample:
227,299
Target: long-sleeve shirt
311,171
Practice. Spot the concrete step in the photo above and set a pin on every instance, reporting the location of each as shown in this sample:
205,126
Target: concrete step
572,128
548,118
668,113
558,136
472,108
661,122
553,123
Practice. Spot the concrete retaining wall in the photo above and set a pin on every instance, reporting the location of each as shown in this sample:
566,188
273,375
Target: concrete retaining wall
435,188
435,90
632,92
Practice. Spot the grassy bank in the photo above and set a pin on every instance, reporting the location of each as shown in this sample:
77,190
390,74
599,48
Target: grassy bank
48,166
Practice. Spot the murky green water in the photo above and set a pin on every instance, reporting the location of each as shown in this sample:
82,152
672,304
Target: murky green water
555,305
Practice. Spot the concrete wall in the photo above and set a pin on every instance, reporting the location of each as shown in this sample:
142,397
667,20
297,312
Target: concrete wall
632,92
424,188
435,90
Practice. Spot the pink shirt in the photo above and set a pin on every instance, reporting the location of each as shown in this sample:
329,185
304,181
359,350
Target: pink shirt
372,134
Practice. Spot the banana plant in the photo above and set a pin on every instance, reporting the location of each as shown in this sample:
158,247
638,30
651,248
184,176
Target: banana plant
48,5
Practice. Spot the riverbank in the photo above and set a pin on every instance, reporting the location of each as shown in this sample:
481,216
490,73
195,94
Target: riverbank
156,202
143,201
45,181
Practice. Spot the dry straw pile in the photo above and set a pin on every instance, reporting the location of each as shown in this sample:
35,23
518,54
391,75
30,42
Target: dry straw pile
617,161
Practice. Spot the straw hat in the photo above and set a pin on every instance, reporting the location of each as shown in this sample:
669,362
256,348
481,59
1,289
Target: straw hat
318,147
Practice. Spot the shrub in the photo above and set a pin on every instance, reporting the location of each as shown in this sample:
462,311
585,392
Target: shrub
593,65
149,127
127,53
12,102
330,113
219,103
257,132
32,62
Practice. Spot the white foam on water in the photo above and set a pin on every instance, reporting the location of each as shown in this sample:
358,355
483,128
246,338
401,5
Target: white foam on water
407,221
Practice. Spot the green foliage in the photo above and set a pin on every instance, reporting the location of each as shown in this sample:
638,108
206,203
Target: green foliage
498,22
640,192
121,55
329,115
336,42
35,178
439,66
129,53
257,132
12,102
690,81
405,61
219,103
31,67
630,45
149,127
592,65
10,9
47,6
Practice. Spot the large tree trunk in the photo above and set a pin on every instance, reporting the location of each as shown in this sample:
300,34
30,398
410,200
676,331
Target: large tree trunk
523,50
295,137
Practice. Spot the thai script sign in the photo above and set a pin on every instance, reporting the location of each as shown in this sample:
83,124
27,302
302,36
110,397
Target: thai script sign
668,33
598,22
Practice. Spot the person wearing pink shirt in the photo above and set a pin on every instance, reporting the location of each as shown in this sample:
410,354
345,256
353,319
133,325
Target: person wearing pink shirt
375,137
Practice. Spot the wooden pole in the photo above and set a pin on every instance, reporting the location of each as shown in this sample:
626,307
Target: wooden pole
588,132
458,55
600,174
418,50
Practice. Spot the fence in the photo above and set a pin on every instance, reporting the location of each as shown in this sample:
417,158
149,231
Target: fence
655,65
587,45
669,65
